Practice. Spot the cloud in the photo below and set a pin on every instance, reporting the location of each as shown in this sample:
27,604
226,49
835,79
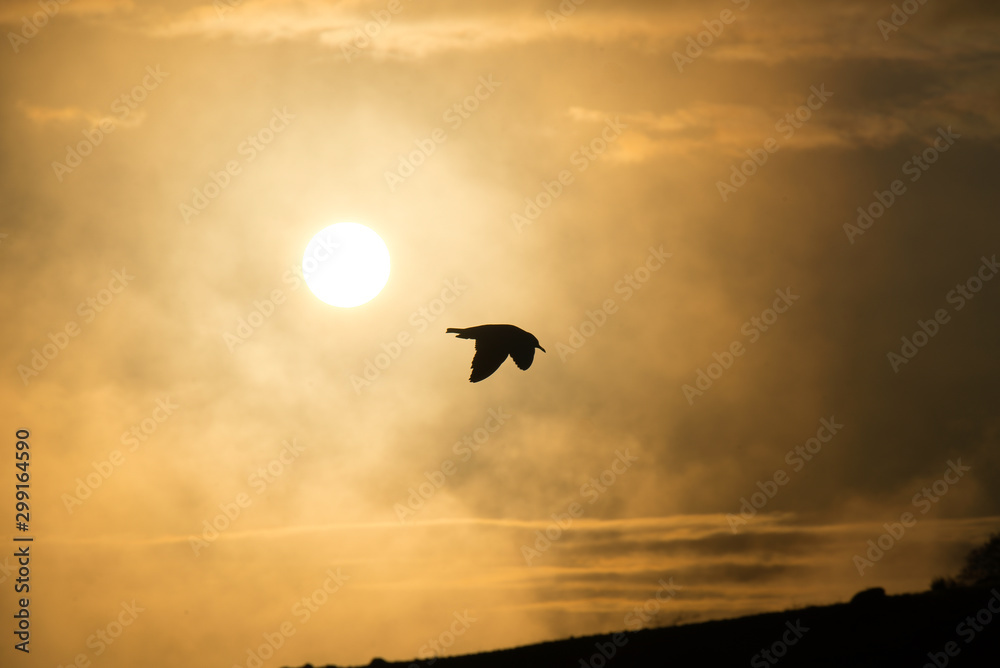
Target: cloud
70,116
42,115
735,128
15,11
785,34
423,39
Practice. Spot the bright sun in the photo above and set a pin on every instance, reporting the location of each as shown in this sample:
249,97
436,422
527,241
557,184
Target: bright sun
346,265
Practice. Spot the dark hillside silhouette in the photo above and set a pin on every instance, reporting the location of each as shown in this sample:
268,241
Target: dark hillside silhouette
957,628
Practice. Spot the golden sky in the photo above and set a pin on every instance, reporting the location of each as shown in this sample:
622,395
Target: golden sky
666,194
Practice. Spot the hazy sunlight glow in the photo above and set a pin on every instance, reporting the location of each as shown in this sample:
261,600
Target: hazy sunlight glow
346,265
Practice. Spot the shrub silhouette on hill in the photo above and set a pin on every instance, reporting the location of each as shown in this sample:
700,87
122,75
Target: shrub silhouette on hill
981,569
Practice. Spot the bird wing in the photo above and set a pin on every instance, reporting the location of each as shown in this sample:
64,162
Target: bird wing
523,357
487,359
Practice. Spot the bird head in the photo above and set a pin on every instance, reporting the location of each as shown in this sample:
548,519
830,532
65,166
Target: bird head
538,345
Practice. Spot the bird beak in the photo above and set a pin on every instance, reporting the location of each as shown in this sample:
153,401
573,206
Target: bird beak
542,349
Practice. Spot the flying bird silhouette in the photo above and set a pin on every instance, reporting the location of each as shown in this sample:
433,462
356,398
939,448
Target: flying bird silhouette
494,343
